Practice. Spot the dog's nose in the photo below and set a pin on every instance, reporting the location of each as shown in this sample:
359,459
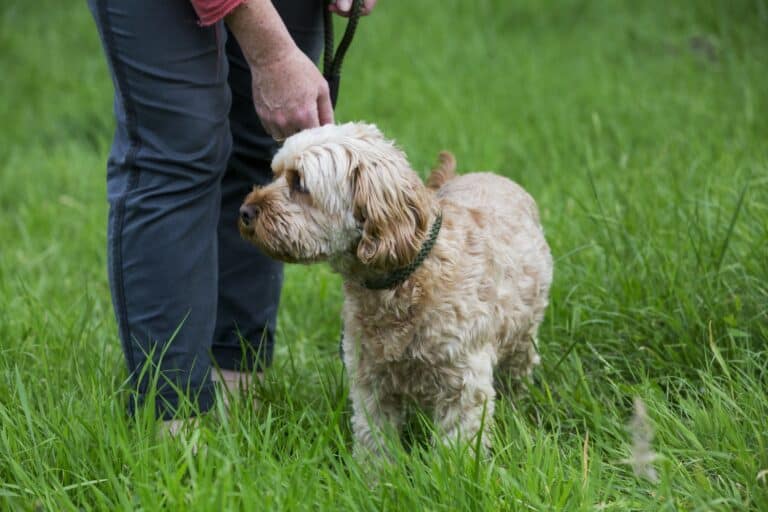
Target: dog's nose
248,212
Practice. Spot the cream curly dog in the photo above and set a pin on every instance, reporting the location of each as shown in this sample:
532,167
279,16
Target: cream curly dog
444,283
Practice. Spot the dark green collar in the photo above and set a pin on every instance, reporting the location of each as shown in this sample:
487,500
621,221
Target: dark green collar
398,276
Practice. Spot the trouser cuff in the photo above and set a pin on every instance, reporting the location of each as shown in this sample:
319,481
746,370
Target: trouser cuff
244,358
170,404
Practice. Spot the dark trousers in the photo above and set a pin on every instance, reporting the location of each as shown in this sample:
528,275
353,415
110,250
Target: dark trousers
188,293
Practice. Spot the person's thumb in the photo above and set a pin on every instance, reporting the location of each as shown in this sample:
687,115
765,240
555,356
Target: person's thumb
344,5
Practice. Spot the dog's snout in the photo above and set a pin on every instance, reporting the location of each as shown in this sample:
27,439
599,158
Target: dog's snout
248,213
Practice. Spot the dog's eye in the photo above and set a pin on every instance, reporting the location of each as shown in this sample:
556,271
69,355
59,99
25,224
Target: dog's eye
296,183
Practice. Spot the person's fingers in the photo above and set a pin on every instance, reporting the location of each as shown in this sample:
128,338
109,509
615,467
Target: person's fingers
324,106
345,10
291,96
368,6
336,11
303,118
276,126
268,126
286,123
343,5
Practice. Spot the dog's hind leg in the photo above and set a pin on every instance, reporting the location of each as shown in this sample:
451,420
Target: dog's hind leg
518,355
517,359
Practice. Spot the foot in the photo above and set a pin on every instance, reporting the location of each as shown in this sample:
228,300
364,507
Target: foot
185,430
236,384
174,428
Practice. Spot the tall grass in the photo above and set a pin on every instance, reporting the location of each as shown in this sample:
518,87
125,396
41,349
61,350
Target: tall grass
641,131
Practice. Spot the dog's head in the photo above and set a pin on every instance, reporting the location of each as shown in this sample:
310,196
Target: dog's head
339,189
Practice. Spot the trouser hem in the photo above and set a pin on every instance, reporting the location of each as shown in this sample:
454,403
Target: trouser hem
172,404
244,358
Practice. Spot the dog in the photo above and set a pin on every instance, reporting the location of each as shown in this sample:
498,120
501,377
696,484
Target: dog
444,283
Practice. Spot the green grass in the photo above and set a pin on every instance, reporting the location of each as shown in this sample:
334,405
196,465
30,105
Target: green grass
640,128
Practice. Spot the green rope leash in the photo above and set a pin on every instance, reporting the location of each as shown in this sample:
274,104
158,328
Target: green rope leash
332,62
401,274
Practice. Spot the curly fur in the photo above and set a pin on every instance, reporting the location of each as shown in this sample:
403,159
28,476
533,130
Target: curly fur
347,195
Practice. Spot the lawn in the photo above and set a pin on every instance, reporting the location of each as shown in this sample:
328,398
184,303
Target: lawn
641,130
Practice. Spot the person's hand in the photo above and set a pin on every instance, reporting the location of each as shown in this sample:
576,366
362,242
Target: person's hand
344,7
290,94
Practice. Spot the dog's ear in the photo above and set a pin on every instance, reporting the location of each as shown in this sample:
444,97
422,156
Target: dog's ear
392,205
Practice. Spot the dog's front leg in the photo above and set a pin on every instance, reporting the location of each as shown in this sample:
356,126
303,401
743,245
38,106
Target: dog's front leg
375,415
469,407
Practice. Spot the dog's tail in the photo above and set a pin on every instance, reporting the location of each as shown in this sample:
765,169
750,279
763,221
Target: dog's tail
444,172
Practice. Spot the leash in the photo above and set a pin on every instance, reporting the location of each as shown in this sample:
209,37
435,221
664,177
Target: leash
332,62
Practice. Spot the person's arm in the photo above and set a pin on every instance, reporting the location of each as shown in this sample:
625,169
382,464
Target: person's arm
289,93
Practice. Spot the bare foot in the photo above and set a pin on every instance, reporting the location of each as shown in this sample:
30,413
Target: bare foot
236,384
184,430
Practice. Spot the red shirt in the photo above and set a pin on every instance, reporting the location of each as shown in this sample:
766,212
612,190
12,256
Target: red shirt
211,11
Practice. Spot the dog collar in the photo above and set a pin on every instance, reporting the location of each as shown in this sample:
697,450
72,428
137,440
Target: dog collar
398,276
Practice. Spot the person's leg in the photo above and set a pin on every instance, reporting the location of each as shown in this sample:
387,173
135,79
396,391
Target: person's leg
249,281
171,145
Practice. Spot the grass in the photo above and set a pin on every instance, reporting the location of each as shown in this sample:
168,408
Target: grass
641,130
